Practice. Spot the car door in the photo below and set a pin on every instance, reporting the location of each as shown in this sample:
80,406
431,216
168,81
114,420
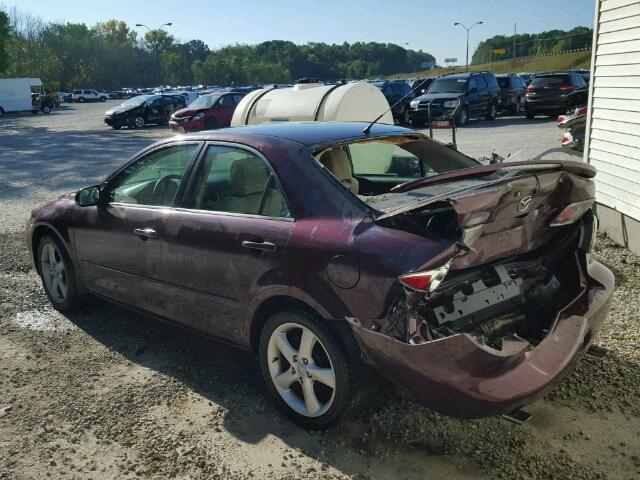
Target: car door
227,240
119,241
226,106
473,90
484,96
155,110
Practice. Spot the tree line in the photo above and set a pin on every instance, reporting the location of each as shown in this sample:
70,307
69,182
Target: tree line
552,41
111,55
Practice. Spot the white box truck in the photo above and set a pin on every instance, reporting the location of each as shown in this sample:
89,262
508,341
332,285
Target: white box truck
16,94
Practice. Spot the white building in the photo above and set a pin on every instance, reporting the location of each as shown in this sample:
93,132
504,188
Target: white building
613,126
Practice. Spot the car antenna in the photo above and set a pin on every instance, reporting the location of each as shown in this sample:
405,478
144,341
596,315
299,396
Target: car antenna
367,129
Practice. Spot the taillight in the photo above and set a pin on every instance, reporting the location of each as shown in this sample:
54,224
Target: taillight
568,88
572,213
425,281
566,138
561,119
531,89
581,111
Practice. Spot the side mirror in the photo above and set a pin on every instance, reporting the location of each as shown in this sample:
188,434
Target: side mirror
89,196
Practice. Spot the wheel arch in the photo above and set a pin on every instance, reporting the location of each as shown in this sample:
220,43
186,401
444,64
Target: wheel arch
40,231
281,302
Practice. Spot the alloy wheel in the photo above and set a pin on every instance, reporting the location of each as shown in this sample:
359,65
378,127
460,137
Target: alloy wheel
54,272
139,122
406,117
301,369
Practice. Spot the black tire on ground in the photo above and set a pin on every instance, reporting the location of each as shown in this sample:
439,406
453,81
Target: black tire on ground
462,118
74,297
103,99
417,123
529,115
344,369
139,122
1,112
406,117
81,100
515,109
116,127
46,109
492,112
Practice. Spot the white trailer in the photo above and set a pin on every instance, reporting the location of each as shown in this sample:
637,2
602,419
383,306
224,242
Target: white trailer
360,101
15,94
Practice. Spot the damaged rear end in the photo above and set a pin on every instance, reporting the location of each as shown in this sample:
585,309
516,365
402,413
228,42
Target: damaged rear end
516,303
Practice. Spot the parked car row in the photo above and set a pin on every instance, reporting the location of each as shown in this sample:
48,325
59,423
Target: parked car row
460,97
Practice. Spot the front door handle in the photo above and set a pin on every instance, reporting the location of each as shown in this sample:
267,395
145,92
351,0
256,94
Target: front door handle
145,233
262,246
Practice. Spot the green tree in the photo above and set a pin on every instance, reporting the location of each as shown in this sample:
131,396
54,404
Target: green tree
4,40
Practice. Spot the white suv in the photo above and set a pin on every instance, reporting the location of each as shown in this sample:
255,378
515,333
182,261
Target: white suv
82,96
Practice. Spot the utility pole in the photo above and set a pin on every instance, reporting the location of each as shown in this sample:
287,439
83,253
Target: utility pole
156,48
514,40
466,69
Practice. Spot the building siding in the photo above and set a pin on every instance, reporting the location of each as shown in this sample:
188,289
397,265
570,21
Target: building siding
613,141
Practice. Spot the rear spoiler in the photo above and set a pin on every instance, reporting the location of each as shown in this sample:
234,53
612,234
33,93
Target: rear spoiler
578,168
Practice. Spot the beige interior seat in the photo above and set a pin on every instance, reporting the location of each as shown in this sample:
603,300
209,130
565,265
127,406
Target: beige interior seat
337,162
249,178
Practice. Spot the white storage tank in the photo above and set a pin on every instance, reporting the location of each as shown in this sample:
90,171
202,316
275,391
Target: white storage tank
303,102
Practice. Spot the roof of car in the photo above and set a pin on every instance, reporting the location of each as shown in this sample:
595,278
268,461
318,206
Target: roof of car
304,133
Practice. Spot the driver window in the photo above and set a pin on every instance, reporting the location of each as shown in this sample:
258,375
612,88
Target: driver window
153,179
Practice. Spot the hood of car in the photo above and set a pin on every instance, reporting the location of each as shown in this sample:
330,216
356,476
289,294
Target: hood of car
439,96
188,112
119,110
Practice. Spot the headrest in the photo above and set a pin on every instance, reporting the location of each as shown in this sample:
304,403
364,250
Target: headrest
248,175
337,162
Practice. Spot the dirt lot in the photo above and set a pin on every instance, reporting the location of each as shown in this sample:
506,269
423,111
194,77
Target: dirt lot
109,394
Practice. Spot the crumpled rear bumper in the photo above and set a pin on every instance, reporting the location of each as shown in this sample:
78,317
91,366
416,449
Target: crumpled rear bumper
459,377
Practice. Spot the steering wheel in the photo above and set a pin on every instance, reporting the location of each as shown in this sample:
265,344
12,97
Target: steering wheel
166,188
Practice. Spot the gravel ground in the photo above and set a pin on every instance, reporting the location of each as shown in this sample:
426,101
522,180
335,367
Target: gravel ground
110,394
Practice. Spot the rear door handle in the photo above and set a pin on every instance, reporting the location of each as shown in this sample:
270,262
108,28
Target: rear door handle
145,233
262,246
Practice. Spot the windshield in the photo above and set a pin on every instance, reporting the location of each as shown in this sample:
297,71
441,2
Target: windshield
135,101
448,85
550,81
204,102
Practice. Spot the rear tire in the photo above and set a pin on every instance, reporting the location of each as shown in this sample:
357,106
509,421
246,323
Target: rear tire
81,100
58,275
210,124
298,354
516,108
139,122
529,115
1,112
102,99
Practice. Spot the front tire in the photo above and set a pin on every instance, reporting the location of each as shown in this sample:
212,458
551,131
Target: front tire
492,113
81,100
529,115
305,370
462,118
58,275
406,117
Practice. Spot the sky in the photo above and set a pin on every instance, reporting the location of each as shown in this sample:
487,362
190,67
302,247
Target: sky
422,24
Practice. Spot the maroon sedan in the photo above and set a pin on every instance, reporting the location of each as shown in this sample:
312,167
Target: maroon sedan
206,112
318,247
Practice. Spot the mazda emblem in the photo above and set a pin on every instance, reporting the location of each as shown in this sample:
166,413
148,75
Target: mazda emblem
524,204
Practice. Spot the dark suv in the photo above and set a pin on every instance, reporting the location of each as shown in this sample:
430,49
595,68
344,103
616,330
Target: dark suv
475,92
547,92
511,95
394,91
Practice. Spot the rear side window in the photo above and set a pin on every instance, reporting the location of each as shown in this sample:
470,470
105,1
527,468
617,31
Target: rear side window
482,83
234,180
503,82
77,92
491,80
550,81
227,101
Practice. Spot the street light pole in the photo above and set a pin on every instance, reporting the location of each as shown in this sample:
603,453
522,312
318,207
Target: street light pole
155,46
466,68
